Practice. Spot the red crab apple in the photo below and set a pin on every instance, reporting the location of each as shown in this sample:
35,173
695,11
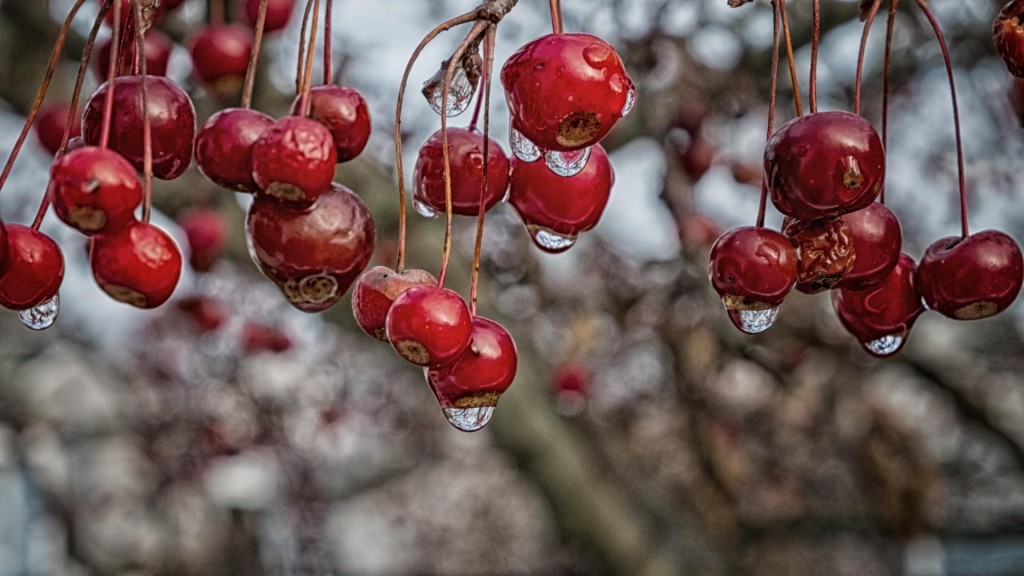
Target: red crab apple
51,122
880,317
220,57
293,160
468,389
3,248
570,387
1008,36
278,13
344,112
172,123
312,253
825,252
139,264
207,233
824,164
223,147
94,190
158,54
877,241
429,325
375,291
753,269
34,268
972,277
466,156
566,91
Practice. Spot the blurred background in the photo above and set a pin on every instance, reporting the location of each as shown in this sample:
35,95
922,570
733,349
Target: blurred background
226,433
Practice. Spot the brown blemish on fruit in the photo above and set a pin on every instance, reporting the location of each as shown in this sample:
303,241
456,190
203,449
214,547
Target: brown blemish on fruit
318,288
738,302
87,218
380,334
413,351
824,252
852,175
578,129
126,295
482,400
976,310
286,191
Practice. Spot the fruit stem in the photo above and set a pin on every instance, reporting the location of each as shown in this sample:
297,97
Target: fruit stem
108,105
815,43
478,246
58,47
307,79
215,12
147,130
886,68
83,66
299,79
772,94
868,21
476,113
474,32
792,61
327,43
254,57
443,27
956,113
126,31
556,16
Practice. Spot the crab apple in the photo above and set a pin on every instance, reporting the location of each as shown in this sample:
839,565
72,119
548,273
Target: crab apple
880,317
293,160
570,387
172,120
34,268
376,289
158,50
971,277
344,112
825,252
278,13
312,253
877,242
205,312
52,122
207,233
468,389
1008,36
566,91
94,190
220,56
556,209
429,325
3,248
824,164
466,156
223,148
139,264
753,269
258,337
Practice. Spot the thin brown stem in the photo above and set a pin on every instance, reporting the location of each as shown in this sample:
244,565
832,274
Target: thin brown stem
815,43
254,57
328,74
108,106
956,114
478,246
792,61
476,112
772,95
299,80
556,16
147,130
308,75
215,12
868,21
886,68
83,66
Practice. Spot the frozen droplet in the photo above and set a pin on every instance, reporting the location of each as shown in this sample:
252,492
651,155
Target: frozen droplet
886,345
754,321
41,316
424,209
469,419
522,147
630,101
567,163
549,240
460,92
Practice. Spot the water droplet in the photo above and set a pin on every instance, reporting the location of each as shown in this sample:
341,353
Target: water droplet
424,209
568,163
522,147
754,321
886,345
41,316
630,102
460,92
551,241
469,419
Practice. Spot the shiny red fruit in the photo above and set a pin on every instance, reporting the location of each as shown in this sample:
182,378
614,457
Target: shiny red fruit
881,317
1008,36
429,325
566,91
313,254
294,160
344,112
877,241
570,387
51,123
482,373
172,123
3,248
752,268
35,268
466,157
824,164
94,190
220,57
223,147
278,13
376,289
825,252
556,209
158,53
138,265
207,233
972,277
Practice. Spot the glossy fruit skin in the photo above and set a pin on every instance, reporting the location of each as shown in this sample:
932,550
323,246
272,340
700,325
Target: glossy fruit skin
220,56
3,248
483,372
877,241
51,121
565,91
1008,36
466,155
34,268
94,190
207,233
279,12
158,54
344,112
172,123
138,265
375,291
973,277
566,206
889,308
223,148
825,252
429,325
293,160
823,165
313,254
752,268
